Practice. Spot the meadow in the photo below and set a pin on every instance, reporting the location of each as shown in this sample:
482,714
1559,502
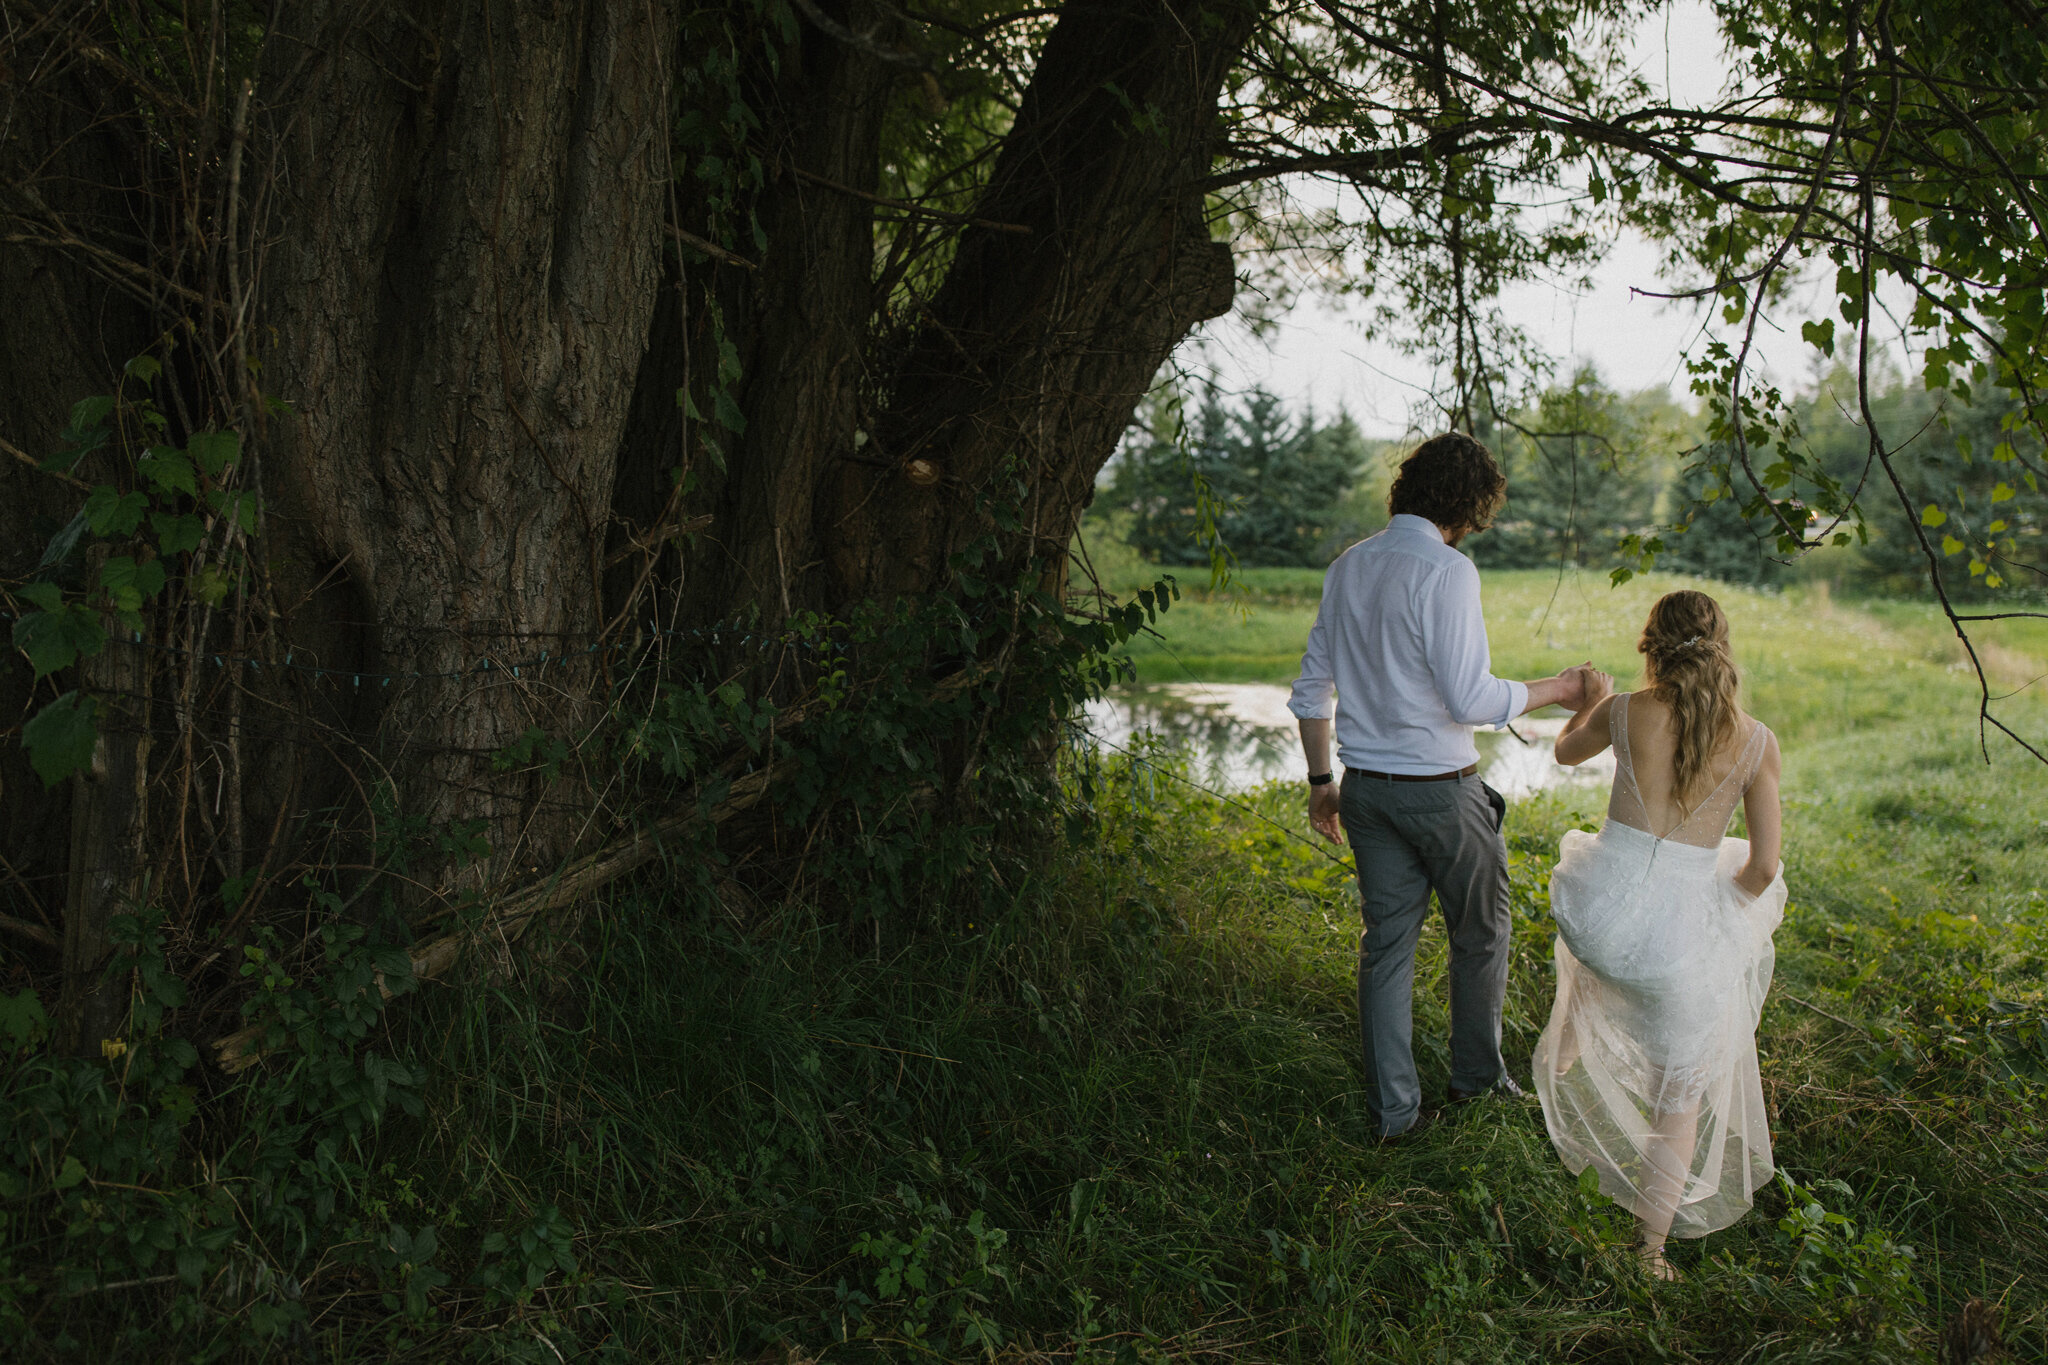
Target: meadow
1113,1113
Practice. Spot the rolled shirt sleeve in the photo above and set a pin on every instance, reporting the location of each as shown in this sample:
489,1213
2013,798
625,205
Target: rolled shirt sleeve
1454,642
1315,692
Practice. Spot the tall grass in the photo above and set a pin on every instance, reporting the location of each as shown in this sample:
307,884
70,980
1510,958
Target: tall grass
1114,1113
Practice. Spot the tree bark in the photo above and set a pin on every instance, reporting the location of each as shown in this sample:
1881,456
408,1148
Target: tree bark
801,323
71,321
109,832
456,283
1033,356
457,307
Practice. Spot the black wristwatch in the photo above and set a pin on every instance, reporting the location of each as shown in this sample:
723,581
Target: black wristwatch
1321,779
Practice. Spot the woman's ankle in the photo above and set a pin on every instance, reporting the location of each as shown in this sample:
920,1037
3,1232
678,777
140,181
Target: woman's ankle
1651,1249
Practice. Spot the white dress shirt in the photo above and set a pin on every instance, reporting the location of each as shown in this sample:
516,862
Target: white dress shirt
1398,655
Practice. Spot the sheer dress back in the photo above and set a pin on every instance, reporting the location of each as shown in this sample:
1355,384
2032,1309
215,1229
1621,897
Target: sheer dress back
1701,826
1647,1070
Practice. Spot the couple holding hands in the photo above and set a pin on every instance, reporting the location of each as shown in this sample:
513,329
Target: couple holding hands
1647,1070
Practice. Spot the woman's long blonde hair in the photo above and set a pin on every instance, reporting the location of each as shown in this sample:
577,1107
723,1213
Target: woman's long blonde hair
1685,646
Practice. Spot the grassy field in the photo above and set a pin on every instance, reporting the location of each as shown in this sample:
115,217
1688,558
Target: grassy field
1113,1114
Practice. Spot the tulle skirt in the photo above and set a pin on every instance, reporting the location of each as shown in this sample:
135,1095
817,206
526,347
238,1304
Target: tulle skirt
1647,1070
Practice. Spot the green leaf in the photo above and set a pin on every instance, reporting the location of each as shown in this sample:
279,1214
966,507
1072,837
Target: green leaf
144,367
176,532
729,415
60,546
211,585
130,584
1950,545
238,507
48,596
2002,493
1820,335
88,414
110,512
87,433
54,638
168,469
1932,515
214,451
72,1174
22,1017
59,738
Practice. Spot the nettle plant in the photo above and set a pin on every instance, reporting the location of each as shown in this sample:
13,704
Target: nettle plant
166,530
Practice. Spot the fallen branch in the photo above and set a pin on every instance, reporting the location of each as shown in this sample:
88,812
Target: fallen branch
509,917
905,206
711,249
34,933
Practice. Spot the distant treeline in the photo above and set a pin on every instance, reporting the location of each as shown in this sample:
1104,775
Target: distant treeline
1586,467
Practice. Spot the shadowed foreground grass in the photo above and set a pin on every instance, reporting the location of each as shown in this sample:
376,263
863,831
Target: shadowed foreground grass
1117,1116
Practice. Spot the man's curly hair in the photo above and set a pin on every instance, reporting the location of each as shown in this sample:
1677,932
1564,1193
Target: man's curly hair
1452,480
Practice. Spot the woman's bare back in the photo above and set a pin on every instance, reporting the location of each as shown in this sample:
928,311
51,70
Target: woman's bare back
1646,750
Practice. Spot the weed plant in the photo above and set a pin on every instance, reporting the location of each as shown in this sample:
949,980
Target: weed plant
1112,1111
1116,1115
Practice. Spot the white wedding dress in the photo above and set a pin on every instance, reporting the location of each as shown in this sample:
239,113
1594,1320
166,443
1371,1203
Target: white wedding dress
1647,1070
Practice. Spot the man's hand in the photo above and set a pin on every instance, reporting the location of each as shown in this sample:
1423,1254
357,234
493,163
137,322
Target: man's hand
1323,817
1582,686
1322,801
1566,689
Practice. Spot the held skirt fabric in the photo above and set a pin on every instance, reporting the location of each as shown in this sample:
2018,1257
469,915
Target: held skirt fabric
1647,1070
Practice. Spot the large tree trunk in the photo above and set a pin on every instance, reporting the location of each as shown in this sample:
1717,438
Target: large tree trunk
1034,355
458,301
71,320
871,441
109,848
456,283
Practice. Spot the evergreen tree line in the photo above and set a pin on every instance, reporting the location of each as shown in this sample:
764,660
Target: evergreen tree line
1586,467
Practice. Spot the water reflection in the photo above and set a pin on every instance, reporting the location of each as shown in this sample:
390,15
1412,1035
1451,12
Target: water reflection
1237,735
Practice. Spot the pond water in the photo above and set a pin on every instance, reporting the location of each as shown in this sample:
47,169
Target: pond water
1237,735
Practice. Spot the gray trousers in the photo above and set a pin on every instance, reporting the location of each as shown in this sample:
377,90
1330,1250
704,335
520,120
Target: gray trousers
1410,838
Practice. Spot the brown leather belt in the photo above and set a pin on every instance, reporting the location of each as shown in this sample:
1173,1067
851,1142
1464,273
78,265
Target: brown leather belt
1465,771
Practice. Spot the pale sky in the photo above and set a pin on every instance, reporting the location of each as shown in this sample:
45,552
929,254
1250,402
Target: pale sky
1320,356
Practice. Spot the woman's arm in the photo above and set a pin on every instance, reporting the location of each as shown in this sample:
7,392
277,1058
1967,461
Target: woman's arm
1585,734
1766,823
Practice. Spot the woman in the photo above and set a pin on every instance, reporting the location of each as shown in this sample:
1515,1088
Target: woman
1647,1070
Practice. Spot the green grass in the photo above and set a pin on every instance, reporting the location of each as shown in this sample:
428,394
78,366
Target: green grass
1114,1114
1814,667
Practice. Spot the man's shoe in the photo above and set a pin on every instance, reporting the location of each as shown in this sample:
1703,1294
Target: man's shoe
1505,1087
1423,1122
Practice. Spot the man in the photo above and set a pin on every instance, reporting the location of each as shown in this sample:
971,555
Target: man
1398,658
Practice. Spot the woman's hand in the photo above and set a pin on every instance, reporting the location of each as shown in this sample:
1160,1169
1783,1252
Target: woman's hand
1754,880
1596,686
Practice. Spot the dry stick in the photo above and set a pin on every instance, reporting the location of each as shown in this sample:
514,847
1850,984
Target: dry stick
237,303
1771,267
22,455
508,918
709,248
34,933
1825,1015
1884,459
905,206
